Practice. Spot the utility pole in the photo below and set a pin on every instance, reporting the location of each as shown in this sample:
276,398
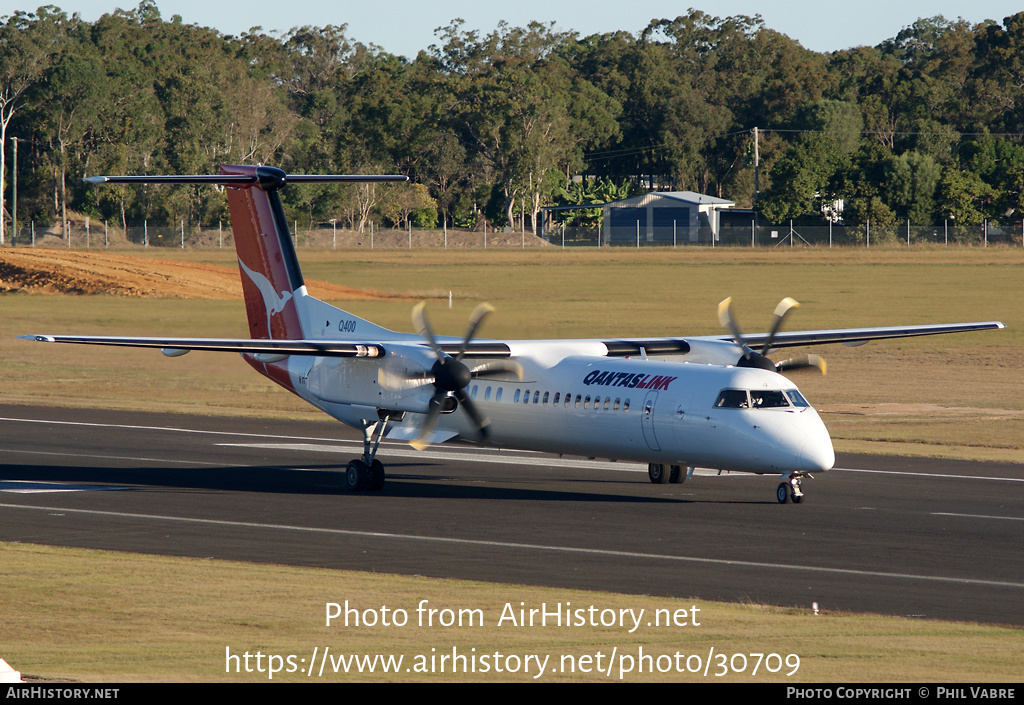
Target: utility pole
757,185
757,167
14,203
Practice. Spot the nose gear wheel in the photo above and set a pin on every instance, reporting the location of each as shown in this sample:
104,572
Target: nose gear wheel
790,490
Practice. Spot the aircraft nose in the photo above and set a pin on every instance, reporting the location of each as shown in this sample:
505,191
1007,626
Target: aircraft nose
817,455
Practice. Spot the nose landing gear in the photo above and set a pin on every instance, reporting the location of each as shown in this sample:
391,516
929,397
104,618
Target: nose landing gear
790,489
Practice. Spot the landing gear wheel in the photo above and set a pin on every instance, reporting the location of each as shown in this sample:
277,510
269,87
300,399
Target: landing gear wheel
376,476
782,492
357,476
676,476
658,473
795,492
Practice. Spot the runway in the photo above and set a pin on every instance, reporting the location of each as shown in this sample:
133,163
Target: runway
900,536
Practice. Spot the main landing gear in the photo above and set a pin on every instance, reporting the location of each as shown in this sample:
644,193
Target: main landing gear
367,473
790,489
661,474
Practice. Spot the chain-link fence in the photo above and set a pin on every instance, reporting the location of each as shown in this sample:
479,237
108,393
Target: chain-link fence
790,235
99,235
945,234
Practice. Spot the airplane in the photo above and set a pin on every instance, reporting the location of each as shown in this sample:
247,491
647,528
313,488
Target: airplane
673,403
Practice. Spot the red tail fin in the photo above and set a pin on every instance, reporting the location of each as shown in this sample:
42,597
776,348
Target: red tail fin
271,278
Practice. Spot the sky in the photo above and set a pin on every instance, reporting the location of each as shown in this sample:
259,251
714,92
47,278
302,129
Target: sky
404,27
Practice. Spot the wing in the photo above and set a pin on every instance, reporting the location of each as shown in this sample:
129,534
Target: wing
173,347
624,347
859,336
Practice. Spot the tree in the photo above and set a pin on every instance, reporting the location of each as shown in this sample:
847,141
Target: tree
860,184
513,94
1000,164
130,127
964,197
76,87
446,168
911,184
27,45
401,202
594,192
803,178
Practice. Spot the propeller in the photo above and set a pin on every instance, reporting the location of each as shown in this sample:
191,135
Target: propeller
752,358
449,375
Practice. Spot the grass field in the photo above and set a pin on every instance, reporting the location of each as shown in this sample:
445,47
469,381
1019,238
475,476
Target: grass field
956,396
99,616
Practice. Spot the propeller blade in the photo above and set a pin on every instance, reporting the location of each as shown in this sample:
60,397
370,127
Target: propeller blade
802,362
448,375
727,320
422,323
497,368
475,319
433,414
481,421
784,307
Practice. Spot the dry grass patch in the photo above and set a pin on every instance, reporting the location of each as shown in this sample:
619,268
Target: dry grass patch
97,616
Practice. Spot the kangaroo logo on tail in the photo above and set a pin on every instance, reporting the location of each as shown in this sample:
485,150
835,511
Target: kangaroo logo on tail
272,301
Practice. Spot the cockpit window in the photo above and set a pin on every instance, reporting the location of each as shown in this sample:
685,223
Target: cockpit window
732,399
768,399
797,398
759,399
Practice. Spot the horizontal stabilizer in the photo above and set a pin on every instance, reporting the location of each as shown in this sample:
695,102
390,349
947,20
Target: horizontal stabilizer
267,178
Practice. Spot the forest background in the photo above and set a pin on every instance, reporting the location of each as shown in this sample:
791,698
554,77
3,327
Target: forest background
926,126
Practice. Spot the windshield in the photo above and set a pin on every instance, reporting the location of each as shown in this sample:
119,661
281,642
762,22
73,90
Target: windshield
760,399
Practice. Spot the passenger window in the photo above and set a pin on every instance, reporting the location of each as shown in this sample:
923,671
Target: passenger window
545,399
616,407
577,401
536,397
607,402
497,397
515,399
586,402
555,400
568,397
526,397
487,394
473,393
625,406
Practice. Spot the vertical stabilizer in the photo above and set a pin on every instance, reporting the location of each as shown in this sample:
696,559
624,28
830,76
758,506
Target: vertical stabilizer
271,279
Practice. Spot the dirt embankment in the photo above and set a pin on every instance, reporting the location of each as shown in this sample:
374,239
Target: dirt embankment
42,271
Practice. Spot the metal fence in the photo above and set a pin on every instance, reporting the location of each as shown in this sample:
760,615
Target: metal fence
791,235
99,235
944,234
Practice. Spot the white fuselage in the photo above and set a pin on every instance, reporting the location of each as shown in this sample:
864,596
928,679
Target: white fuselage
652,411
